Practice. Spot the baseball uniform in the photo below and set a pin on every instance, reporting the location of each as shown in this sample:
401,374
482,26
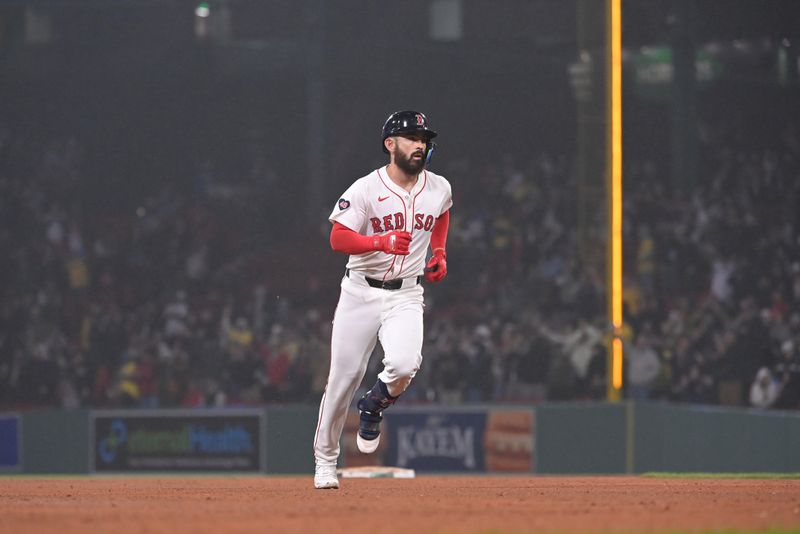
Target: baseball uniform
381,294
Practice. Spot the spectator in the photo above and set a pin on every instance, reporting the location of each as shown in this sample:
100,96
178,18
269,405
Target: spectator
765,389
644,367
176,315
788,371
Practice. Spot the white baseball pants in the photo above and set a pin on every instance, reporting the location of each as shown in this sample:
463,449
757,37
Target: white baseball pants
363,315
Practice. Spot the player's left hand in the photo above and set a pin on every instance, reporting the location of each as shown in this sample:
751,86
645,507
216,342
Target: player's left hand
436,269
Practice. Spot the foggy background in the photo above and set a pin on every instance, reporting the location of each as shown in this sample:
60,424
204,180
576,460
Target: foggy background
167,169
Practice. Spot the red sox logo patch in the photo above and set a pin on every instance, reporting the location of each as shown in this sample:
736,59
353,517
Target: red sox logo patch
343,204
420,120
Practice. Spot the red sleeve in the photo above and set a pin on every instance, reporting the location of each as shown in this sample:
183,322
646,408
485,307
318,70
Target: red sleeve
439,234
343,239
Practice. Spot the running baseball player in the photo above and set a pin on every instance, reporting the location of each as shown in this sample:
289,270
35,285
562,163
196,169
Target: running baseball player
385,221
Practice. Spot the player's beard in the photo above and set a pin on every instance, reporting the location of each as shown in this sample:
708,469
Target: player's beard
408,164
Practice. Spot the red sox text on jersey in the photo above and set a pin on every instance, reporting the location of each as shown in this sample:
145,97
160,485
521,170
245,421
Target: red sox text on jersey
398,222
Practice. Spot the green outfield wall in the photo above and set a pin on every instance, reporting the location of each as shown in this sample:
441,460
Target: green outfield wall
549,438
290,438
55,441
580,438
573,438
714,439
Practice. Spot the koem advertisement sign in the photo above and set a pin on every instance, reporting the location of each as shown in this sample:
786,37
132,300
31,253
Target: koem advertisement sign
452,441
437,442
177,441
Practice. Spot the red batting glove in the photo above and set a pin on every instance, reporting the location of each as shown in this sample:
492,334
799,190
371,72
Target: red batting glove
395,242
437,266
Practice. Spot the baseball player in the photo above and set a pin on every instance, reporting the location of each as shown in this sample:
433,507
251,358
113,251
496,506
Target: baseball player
385,221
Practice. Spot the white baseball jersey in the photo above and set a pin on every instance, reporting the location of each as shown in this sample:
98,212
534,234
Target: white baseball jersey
375,205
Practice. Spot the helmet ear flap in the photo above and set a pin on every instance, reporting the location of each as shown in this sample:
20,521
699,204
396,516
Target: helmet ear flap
429,146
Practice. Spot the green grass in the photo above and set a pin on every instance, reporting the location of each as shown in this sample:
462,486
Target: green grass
658,474
736,531
717,531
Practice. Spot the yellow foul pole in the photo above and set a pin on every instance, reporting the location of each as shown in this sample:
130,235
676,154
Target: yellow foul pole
614,188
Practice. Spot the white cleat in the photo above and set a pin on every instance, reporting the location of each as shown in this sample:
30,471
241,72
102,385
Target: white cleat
367,446
325,477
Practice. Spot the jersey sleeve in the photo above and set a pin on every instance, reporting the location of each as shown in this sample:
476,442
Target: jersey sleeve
447,202
350,209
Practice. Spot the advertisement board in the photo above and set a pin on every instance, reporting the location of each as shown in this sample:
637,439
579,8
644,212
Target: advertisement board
509,441
177,440
10,442
460,441
438,441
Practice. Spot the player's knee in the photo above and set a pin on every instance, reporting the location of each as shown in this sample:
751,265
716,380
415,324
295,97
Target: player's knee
345,377
408,373
404,371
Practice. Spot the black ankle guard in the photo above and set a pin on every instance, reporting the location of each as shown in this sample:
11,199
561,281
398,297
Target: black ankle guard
376,399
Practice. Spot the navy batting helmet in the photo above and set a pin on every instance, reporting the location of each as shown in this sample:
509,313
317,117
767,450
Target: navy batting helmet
405,122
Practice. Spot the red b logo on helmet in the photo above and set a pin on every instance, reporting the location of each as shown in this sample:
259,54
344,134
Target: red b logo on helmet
420,120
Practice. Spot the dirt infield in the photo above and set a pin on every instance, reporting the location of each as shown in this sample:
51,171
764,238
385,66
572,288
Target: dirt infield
423,505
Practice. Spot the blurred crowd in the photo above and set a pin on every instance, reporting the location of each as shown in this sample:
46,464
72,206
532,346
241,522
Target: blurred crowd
186,295
714,296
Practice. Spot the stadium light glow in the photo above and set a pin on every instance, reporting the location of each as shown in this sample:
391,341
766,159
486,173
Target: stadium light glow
202,10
